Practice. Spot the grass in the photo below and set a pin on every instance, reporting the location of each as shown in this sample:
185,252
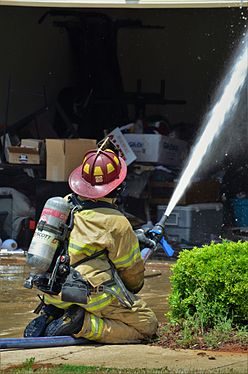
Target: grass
31,367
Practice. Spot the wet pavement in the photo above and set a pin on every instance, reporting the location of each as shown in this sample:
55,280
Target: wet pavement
17,303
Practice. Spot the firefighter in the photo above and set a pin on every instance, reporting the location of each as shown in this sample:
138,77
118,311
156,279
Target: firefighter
105,255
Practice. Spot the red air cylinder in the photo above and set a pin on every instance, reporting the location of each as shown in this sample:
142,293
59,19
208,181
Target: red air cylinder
44,242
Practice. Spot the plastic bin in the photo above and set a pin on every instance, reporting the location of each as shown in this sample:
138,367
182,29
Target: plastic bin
240,212
194,224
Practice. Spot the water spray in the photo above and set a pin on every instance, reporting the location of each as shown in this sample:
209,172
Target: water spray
225,105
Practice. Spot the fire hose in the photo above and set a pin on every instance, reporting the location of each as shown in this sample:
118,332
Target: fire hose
41,342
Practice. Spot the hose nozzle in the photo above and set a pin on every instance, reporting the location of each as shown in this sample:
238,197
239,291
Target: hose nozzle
162,221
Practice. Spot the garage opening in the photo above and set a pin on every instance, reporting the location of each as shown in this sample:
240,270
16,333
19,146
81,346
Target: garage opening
70,73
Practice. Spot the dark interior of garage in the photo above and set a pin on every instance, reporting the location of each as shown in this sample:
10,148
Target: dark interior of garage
80,73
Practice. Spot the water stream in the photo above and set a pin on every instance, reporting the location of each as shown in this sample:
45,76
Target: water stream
226,102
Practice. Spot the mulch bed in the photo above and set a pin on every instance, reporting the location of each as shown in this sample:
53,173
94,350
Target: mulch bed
170,339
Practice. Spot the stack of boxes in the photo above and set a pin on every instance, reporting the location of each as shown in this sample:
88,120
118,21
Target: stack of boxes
60,156
198,217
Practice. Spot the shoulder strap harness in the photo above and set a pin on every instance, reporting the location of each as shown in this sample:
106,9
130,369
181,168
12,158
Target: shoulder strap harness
79,205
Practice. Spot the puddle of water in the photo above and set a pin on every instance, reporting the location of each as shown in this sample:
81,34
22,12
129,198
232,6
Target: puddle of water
17,303
156,288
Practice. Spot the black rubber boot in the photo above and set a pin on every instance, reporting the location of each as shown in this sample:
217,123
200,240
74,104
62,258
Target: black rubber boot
38,325
70,323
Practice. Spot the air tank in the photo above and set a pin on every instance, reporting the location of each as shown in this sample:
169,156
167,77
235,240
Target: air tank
45,239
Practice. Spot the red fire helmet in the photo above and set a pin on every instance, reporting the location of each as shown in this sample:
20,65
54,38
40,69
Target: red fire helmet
100,173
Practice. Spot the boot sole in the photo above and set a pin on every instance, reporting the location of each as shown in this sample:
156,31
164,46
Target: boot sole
36,327
60,328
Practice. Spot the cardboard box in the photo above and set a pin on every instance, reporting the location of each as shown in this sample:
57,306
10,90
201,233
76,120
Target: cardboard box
35,143
159,149
31,151
64,155
23,155
121,143
32,143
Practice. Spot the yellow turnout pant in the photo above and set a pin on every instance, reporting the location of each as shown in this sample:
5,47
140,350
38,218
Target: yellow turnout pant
117,325
113,323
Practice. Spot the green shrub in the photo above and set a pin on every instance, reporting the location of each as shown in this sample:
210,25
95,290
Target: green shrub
210,285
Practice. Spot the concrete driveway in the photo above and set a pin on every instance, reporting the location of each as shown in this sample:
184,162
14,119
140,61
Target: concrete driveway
132,356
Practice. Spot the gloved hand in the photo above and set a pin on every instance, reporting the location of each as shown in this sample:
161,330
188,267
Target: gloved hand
143,238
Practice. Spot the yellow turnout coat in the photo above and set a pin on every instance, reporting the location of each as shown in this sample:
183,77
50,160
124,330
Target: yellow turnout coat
106,319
